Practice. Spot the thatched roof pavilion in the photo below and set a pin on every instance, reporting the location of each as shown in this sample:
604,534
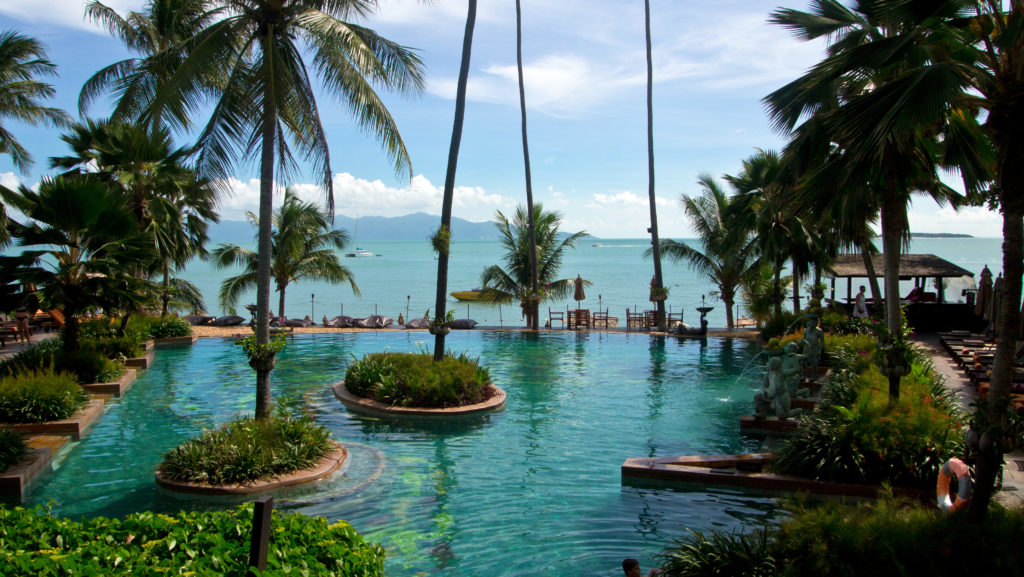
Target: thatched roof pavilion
911,266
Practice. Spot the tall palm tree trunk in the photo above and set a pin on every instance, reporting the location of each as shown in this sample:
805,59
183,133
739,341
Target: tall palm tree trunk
1011,199
535,304
166,296
869,267
655,242
777,289
265,363
280,302
449,179
893,223
796,290
728,299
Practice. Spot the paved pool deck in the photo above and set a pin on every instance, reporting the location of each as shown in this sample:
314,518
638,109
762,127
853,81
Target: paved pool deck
1012,493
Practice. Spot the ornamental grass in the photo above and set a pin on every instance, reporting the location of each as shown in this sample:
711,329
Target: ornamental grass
40,395
246,450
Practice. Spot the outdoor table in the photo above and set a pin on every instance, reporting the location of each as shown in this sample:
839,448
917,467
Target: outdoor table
579,318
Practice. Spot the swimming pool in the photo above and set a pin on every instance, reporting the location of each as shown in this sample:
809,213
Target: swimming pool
533,489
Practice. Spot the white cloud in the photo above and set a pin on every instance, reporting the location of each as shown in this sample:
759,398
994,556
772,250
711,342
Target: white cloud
9,180
66,13
973,220
355,195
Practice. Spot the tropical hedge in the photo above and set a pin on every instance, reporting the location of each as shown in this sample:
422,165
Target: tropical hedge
246,450
857,435
211,543
40,395
416,380
90,365
888,537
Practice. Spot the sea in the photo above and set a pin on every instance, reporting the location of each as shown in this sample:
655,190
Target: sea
401,279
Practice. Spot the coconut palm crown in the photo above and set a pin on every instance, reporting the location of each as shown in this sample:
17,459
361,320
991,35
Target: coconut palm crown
303,248
512,283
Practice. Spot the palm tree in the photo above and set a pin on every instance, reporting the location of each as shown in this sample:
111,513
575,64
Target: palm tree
170,203
727,258
512,283
82,249
22,61
873,51
534,283
655,242
764,204
303,247
159,36
442,238
266,99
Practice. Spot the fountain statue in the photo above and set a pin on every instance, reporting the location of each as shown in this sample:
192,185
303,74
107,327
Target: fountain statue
791,371
774,395
813,344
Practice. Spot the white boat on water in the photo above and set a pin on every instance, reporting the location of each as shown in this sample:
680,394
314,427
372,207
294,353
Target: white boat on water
359,252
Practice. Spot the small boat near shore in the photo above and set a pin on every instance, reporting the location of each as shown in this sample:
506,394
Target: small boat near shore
473,295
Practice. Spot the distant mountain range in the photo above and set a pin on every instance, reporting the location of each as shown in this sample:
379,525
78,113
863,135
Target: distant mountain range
940,235
417,226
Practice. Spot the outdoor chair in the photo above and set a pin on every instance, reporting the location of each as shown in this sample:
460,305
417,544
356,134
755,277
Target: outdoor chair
600,319
554,316
635,320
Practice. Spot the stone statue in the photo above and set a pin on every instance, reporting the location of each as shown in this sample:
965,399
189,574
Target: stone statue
791,372
774,395
813,344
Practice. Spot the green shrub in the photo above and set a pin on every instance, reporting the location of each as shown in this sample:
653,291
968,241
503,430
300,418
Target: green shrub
415,380
870,440
89,366
850,352
98,328
781,325
838,323
889,537
40,395
246,450
115,347
153,327
12,448
201,543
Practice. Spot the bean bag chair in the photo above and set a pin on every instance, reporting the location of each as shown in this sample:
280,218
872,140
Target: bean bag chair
227,321
340,322
462,324
420,323
374,322
296,323
199,320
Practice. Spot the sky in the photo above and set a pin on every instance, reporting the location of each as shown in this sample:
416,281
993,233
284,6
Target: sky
585,79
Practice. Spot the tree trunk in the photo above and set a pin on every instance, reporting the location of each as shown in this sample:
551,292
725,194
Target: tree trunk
124,324
728,301
869,266
894,219
777,289
262,328
526,164
166,297
280,302
655,242
1007,129
796,290
71,344
449,179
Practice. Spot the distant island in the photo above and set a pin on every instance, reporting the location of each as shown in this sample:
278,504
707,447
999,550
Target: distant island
939,235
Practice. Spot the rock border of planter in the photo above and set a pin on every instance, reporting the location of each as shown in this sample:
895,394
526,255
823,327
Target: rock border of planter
171,342
74,426
327,466
370,406
115,388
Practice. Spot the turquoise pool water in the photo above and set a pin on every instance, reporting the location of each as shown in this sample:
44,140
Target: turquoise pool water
532,490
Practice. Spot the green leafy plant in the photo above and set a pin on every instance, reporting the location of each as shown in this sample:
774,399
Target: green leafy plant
12,448
89,366
415,380
441,239
245,450
188,543
720,553
261,355
171,326
114,347
780,325
40,395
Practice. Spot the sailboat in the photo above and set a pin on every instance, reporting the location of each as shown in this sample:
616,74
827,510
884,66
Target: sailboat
360,251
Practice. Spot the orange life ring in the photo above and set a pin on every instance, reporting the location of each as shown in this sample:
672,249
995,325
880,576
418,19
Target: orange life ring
954,468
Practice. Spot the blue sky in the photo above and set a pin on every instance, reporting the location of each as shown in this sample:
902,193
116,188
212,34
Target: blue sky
585,90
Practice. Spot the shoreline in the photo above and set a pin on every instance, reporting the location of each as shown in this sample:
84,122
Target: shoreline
241,331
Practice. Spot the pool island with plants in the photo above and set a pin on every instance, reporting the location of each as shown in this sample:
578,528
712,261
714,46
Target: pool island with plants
414,385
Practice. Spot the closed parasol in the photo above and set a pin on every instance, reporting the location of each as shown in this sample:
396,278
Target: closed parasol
578,294
981,307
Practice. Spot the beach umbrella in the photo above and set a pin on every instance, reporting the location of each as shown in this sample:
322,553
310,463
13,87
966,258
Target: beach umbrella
578,294
984,293
997,296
